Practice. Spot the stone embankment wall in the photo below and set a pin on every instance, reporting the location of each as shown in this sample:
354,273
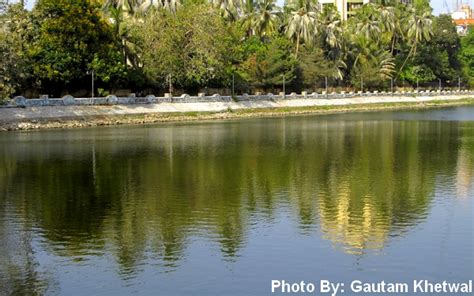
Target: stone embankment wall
201,98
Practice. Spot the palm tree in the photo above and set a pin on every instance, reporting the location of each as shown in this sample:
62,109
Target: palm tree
368,22
121,19
132,7
266,18
128,6
248,17
331,28
168,5
302,24
228,8
419,29
398,24
388,19
370,61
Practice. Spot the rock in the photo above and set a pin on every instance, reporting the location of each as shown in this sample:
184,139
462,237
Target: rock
68,100
150,99
20,101
185,97
111,100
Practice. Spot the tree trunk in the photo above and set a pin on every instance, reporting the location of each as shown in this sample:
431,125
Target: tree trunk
297,44
394,39
406,60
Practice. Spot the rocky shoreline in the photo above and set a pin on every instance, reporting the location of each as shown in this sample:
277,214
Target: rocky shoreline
13,119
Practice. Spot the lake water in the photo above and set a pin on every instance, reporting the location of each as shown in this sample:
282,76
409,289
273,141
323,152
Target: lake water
223,208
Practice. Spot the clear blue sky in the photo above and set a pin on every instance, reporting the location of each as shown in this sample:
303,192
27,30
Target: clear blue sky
436,4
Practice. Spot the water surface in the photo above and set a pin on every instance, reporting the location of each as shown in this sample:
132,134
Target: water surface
222,208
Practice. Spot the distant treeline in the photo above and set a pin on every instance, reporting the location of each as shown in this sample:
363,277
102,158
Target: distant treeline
245,45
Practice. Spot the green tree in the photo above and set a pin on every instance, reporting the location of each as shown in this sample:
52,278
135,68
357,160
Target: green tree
188,49
418,73
249,16
266,65
331,31
15,66
467,55
315,67
371,65
129,6
266,19
419,29
368,22
437,58
229,8
71,37
302,23
446,43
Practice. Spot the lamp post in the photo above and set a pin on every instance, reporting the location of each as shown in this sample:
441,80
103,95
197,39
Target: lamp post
326,84
284,90
170,84
92,82
233,85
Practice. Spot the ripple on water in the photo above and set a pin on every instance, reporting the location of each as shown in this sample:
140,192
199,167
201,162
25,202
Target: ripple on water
131,209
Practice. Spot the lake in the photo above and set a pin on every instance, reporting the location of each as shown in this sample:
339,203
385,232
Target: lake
223,208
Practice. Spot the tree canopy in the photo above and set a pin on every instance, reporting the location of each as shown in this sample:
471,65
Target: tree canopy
187,45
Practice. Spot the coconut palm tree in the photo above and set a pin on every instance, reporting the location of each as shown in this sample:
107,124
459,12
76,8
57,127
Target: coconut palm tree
168,5
367,22
266,17
247,21
121,13
132,7
302,24
128,6
370,61
398,25
331,28
419,28
229,8
387,17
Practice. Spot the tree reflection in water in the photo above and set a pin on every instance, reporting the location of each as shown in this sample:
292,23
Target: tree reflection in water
146,192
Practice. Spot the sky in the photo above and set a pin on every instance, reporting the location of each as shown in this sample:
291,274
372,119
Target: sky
436,4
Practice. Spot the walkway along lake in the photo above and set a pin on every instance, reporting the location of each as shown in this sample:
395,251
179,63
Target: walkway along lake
223,208
68,112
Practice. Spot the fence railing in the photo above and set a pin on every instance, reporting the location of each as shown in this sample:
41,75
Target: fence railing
202,98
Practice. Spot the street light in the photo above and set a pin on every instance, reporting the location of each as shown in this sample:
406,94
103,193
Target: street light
170,84
326,83
233,85
92,82
284,90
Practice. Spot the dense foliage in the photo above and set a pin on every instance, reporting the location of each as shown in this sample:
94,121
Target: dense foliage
188,45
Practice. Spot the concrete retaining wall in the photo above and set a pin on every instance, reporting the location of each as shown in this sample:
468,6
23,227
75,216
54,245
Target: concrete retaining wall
151,99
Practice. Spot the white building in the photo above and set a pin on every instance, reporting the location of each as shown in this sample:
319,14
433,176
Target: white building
345,7
463,17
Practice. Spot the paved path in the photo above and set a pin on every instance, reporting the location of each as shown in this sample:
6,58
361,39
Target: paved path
71,112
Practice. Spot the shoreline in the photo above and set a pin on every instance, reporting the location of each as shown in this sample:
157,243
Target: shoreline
37,118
